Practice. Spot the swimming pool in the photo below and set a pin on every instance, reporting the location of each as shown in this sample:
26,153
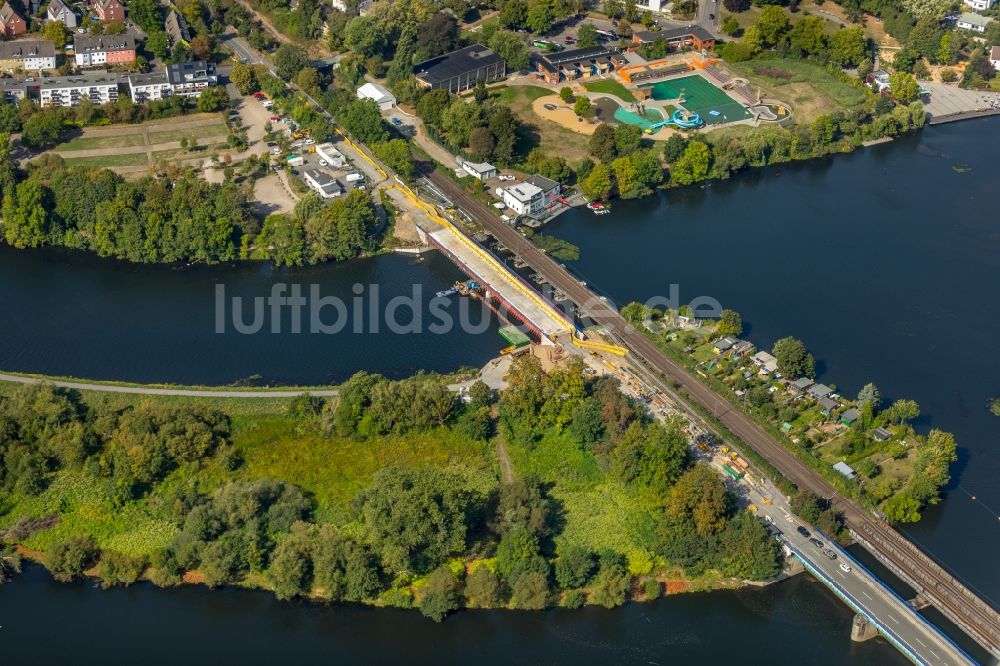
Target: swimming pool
623,115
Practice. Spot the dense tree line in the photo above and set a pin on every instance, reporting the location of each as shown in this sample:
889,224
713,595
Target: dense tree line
158,219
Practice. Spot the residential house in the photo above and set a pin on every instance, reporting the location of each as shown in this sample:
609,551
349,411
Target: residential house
13,90
523,198
980,5
550,190
743,348
881,434
723,345
682,37
11,23
59,11
973,22
845,469
767,363
800,385
827,405
323,183
188,79
99,88
479,171
577,63
104,50
461,70
339,5
148,87
109,10
175,25
995,57
819,391
27,55
878,81
850,416
378,94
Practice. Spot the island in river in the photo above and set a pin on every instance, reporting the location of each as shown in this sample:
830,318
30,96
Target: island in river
557,491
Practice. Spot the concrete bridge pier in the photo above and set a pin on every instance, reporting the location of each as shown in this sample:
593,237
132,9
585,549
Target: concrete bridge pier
862,630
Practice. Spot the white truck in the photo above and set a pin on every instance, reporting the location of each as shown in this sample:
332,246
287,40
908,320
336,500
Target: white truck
354,177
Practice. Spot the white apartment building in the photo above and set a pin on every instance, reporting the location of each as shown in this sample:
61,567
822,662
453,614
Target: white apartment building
69,90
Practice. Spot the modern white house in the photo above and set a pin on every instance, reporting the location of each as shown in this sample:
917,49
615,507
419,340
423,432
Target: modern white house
522,198
323,183
980,5
188,79
99,88
479,171
378,94
974,22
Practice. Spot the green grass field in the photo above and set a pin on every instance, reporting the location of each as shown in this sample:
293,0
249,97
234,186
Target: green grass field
197,132
123,160
95,142
611,88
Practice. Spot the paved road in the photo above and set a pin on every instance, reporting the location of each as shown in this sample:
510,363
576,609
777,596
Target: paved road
148,390
865,593
951,597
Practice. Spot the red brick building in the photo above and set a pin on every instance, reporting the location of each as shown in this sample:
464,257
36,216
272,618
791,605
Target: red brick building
11,23
109,10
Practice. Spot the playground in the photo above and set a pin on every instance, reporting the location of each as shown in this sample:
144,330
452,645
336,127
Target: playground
700,97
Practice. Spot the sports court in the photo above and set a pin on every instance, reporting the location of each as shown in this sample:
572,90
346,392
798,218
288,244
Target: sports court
711,103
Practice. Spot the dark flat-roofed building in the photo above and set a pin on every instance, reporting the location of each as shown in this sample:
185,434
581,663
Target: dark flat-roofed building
578,63
693,36
461,69
190,78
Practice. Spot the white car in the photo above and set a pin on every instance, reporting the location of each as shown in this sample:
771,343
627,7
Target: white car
310,142
322,162
845,567
505,177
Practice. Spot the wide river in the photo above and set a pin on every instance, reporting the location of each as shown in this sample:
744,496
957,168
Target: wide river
884,262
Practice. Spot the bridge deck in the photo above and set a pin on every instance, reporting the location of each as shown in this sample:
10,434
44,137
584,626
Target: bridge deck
500,282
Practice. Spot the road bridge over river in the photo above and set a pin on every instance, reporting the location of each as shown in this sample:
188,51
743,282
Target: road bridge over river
929,578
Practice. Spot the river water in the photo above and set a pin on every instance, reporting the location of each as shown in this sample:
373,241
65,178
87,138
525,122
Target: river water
884,262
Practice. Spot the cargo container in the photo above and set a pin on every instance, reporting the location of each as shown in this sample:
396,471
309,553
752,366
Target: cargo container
732,472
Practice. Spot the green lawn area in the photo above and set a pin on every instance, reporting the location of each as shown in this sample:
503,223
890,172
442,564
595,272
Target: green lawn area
198,132
810,88
600,512
123,160
705,352
512,94
94,142
335,469
172,154
610,87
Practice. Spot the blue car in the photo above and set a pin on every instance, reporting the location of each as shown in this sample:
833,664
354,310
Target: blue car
396,121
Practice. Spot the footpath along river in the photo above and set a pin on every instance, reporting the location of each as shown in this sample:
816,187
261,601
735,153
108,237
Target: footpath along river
884,262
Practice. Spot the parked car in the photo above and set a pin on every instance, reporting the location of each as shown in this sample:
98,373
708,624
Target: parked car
569,39
259,95
803,531
322,162
396,121
845,567
310,141
505,177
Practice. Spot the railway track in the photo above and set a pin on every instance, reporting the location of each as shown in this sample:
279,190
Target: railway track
968,611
